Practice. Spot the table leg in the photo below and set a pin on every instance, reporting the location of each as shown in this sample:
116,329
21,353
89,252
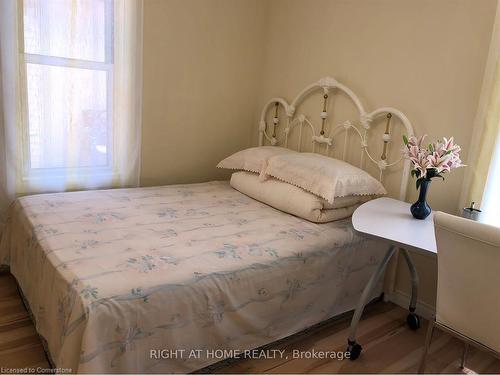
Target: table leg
352,347
413,320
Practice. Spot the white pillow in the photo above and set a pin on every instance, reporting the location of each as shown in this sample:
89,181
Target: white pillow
341,202
294,200
323,176
253,159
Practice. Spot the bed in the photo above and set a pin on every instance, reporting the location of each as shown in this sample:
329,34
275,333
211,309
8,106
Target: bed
113,277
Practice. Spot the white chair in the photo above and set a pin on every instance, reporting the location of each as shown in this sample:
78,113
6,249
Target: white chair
468,290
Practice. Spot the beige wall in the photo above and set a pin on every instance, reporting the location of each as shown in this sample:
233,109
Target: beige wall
210,64
424,57
201,64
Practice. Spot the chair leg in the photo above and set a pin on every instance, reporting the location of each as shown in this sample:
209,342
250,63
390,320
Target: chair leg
464,355
427,344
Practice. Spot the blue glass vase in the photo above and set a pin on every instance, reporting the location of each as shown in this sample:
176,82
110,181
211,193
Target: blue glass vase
421,209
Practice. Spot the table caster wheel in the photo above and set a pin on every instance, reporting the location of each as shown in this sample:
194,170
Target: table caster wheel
413,321
354,350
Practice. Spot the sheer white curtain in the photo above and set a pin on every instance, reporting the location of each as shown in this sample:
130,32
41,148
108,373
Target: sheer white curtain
71,95
482,182
491,197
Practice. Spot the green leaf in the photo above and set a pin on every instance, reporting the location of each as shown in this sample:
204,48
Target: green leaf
405,140
435,174
419,182
431,148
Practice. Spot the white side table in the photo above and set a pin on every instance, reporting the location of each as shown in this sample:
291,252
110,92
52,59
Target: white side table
390,220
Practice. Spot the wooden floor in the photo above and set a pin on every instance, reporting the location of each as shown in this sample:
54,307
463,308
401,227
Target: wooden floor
388,345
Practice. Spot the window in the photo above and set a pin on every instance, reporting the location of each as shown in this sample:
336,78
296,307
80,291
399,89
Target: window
67,49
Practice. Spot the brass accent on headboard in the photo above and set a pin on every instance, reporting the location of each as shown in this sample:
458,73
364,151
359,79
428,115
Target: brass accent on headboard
275,118
323,115
358,128
386,136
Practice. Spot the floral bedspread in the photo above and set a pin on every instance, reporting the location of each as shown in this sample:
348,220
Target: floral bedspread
113,275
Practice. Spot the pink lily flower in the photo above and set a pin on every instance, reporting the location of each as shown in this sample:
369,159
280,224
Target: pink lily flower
439,157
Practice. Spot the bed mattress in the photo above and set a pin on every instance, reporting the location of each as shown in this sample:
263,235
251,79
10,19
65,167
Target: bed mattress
113,276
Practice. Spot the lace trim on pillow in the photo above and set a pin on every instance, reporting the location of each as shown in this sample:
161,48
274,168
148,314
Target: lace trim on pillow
319,195
238,169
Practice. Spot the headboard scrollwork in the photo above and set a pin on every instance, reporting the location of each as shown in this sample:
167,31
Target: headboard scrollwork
325,138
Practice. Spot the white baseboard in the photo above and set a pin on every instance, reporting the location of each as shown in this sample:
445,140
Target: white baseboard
402,299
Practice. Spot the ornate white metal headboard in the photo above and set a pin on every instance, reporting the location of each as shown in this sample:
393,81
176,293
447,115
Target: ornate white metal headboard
360,128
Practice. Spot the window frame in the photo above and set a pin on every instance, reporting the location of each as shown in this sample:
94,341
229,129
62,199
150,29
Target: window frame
107,66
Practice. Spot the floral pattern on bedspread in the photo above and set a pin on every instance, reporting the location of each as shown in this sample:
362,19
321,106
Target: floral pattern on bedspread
111,275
